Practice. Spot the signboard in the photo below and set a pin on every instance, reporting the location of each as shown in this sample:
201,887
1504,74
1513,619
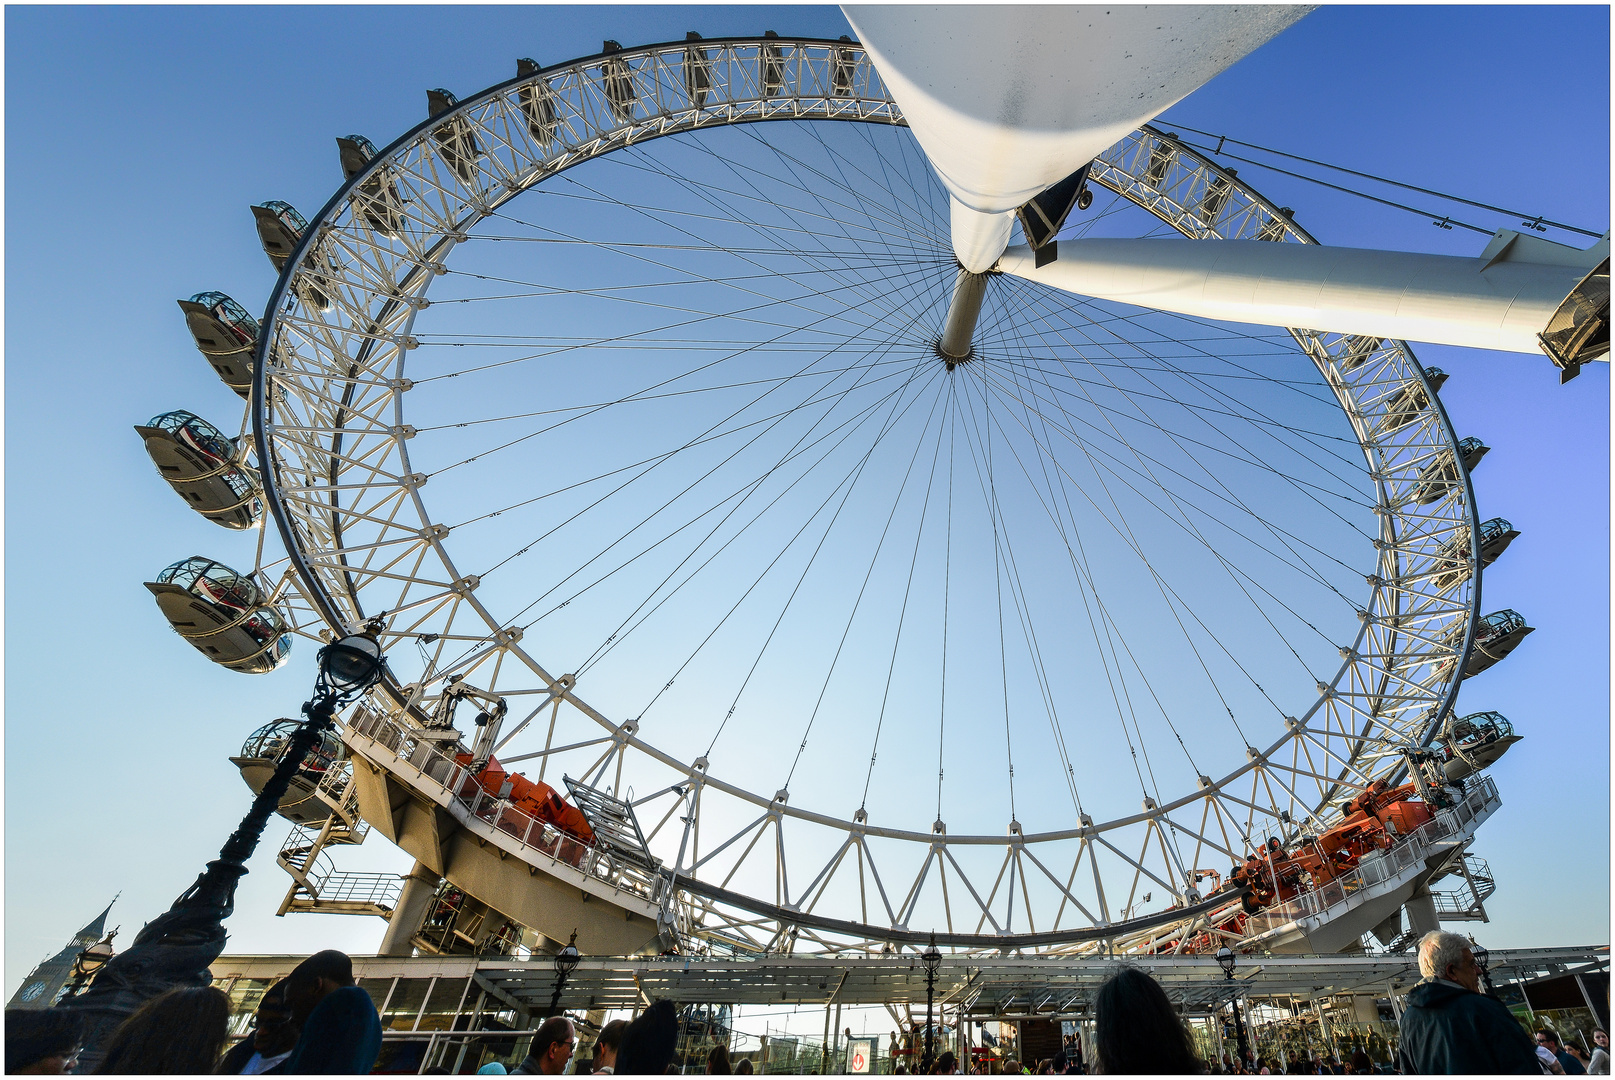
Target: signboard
860,1053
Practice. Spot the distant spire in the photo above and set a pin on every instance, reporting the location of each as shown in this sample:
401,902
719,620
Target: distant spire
97,926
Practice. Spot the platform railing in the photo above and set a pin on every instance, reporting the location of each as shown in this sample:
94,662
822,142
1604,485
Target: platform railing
541,839
1378,868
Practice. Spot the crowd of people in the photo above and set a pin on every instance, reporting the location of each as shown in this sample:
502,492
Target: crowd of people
318,1021
314,1021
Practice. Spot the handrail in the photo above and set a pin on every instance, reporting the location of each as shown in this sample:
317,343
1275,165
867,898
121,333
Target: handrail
541,837
1379,868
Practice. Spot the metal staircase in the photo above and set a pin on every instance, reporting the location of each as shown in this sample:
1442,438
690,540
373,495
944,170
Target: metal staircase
1468,902
1463,904
317,885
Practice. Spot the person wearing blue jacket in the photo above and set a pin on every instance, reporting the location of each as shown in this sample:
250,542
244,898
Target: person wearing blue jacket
341,1032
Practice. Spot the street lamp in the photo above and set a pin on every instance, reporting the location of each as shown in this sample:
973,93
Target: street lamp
176,948
1481,956
1225,960
932,959
89,961
566,962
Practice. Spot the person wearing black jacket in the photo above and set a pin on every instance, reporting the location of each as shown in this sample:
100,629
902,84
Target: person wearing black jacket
1450,1027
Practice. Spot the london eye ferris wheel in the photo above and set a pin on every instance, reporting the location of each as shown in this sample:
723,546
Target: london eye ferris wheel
621,398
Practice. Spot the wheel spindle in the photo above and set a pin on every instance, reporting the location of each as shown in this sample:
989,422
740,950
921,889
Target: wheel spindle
956,346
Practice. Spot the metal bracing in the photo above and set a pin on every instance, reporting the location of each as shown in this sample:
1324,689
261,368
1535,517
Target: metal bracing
330,415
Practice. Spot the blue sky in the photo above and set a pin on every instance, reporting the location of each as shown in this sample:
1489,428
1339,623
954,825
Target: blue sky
178,118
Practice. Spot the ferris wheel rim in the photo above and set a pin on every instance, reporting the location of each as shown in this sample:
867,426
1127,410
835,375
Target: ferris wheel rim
263,438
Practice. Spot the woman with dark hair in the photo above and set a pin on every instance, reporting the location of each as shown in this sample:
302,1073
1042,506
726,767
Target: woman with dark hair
946,1065
181,1031
718,1061
1361,1063
1136,1029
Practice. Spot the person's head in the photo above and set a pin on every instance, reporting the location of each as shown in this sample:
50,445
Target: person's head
605,1049
1444,955
945,1064
1601,1038
1011,1066
1136,1029
1060,1062
552,1045
718,1061
1576,1052
1361,1062
314,978
1544,1037
275,1029
181,1031
42,1040
649,1042
743,1067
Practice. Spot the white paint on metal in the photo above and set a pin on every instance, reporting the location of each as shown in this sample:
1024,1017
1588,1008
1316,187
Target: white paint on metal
1008,99
1501,299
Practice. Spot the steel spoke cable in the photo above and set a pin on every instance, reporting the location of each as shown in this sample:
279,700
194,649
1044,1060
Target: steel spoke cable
1060,529
707,434
701,440
635,208
1119,469
1235,574
1039,299
947,596
824,687
1261,429
640,398
1129,736
1284,536
653,386
1528,218
705,192
902,615
849,479
790,454
860,418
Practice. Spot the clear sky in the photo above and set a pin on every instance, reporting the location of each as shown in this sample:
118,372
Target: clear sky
137,137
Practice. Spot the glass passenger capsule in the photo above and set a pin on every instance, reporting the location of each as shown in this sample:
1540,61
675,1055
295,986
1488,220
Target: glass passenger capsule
280,227
1475,742
1409,403
454,139
1439,477
262,752
227,336
224,614
1497,635
376,199
205,466
617,79
537,102
1496,534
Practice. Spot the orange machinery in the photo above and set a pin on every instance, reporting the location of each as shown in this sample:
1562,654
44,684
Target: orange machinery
539,801
1372,820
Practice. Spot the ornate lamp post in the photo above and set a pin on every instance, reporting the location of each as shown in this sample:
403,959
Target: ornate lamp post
176,947
566,962
1481,956
1225,960
89,961
932,959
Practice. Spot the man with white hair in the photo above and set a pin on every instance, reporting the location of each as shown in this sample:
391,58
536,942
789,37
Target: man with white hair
1449,1026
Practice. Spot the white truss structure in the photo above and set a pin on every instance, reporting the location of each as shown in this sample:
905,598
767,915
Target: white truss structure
330,421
